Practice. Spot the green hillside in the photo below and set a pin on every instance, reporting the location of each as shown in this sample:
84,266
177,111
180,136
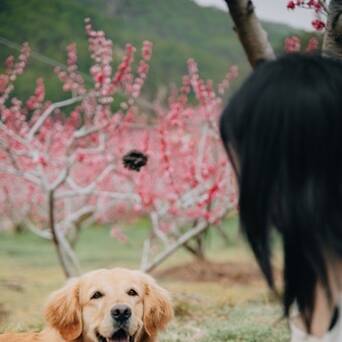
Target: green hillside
179,29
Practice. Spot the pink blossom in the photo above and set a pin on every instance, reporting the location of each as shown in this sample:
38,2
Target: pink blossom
118,234
291,5
318,24
292,44
319,10
312,45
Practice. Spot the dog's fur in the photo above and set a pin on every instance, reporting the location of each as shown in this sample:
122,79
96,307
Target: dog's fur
73,315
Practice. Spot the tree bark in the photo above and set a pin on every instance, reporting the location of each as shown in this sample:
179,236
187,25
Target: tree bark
200,255
192,250
198,250
191,234
253,37
332,43
223,234
69,269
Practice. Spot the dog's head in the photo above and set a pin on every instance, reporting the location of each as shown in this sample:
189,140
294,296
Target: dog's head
117,305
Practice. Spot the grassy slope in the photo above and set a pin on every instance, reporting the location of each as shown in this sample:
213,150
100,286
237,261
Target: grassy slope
205,312
179,29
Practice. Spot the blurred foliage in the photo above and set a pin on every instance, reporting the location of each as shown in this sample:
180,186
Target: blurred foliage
179,29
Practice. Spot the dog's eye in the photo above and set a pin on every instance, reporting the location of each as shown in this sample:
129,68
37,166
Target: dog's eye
132,292
97,295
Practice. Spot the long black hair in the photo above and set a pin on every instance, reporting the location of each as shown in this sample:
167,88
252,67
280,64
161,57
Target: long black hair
284,127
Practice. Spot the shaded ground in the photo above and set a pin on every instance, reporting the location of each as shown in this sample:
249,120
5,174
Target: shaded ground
3,314
208,271
214,302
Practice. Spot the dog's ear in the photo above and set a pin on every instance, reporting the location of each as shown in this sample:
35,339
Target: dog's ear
63,311
158,310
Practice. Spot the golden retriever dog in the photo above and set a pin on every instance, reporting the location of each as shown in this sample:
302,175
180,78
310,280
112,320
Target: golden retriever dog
116,305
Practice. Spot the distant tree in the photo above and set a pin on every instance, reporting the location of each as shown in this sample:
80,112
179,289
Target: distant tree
188,186
57,169
96,163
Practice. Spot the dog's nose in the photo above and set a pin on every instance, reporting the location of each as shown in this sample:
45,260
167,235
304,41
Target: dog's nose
121,313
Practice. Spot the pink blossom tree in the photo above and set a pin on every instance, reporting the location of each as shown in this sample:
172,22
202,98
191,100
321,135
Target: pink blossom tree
254,39
61,169
188,184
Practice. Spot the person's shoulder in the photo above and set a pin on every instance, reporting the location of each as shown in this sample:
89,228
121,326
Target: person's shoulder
333,335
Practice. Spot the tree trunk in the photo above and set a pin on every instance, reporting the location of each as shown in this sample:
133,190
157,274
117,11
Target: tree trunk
251,34
74,235
198,251
19,228
200,246
223,234
66,260
332,44
189,248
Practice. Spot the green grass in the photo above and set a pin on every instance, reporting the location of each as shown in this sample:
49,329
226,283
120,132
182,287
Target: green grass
205,311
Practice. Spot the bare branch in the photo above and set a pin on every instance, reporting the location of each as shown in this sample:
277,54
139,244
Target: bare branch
54,233
29,177
60,178
76,216
35,128
43,233
201,151
198,230
69,257
81,133
11,134
156,228
145,254
90,187
324,6
120,196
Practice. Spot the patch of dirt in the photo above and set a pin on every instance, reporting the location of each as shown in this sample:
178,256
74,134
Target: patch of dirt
12,285
3,313
206,271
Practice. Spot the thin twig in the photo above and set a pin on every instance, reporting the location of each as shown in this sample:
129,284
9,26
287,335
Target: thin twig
199,229
324,5
49,111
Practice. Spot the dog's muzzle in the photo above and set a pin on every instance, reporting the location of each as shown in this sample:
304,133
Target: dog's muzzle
121,315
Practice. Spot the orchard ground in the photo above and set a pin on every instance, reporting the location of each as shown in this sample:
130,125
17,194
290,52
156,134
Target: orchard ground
224,300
